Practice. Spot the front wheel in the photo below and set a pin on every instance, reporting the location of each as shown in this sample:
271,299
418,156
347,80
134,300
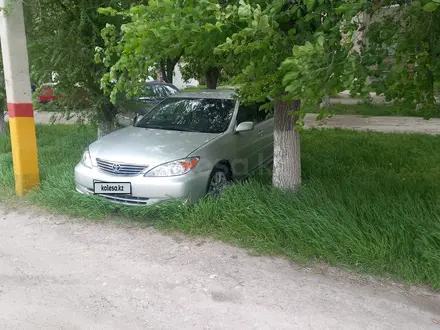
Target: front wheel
218,181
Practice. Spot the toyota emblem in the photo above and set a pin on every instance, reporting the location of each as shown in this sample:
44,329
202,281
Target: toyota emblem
116,168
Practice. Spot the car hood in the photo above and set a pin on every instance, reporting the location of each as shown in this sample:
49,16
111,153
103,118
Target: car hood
150,147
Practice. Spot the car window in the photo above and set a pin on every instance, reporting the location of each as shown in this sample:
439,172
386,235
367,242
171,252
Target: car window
158,91
170,90
252,112
190,114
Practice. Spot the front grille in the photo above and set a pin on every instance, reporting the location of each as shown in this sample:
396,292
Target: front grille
120,169
122,199
125,199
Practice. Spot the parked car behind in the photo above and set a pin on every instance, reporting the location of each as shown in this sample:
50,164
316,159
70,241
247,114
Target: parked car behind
50,92
189,145
47,93
153,93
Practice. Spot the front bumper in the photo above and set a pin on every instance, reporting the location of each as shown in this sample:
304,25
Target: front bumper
145,191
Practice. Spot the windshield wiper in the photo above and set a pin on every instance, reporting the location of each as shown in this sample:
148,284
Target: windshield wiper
166,128
151,126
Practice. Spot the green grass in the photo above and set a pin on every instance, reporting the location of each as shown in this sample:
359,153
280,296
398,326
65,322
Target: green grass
370,202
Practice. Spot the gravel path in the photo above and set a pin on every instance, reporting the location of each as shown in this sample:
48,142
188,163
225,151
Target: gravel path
59,273
376,124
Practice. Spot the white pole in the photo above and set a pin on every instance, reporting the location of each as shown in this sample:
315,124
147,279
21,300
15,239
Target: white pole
19,95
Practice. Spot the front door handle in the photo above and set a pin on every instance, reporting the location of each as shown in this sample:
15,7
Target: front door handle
260,133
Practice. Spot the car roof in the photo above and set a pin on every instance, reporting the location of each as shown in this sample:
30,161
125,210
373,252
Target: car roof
227,94
155,82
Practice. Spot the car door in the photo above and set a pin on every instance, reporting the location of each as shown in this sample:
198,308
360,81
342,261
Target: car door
265,126
251,147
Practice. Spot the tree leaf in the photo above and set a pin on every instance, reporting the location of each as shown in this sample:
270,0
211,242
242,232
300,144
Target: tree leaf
430,6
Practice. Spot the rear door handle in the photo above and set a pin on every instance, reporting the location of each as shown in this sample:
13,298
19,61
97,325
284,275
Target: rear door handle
260,133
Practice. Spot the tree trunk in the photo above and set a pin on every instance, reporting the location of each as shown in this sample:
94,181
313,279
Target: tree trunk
430,96
287,149
104,128
167,71
106,124
167,68
160,76
212,75
163,71
170,71
2,122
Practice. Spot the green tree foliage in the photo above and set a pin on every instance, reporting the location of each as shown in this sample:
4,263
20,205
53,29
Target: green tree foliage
62,39
148,40
390,48
400,52
282,41
202,61
157,35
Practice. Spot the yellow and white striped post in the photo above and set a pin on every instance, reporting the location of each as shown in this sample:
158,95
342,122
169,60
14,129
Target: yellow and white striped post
19,96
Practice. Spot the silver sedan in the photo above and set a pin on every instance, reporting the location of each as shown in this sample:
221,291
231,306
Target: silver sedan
189,145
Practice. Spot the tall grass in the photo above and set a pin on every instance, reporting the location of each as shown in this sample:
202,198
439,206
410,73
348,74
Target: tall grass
369,201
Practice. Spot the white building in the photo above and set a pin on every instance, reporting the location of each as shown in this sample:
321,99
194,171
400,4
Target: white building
178,80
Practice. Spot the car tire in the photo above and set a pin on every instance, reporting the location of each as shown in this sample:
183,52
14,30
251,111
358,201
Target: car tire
219,179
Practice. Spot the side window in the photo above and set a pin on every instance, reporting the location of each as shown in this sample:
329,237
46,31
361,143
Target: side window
244,114
251,112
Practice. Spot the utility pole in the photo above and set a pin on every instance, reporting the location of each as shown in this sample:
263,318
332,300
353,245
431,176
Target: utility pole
19,96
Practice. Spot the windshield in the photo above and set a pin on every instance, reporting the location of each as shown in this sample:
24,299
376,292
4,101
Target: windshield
192,115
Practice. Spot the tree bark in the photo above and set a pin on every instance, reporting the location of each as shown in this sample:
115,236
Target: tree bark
106,124
167,68
171,64
287,148
160,76
163,71
212,75
2,122
104,128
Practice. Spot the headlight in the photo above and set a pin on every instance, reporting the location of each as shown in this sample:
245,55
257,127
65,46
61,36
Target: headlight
86,160
175,168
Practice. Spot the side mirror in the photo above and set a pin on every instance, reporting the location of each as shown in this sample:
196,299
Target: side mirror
137,119
245,127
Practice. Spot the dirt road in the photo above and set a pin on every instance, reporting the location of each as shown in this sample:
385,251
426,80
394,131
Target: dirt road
57,273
